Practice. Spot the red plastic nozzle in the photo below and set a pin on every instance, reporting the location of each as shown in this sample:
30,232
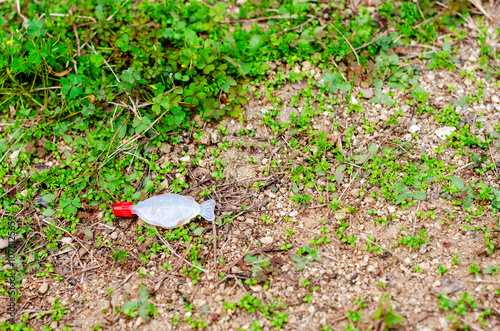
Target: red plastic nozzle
123,209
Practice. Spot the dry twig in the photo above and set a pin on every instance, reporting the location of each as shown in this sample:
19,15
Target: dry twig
347,41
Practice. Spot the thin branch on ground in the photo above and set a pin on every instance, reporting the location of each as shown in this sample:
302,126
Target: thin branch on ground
347,41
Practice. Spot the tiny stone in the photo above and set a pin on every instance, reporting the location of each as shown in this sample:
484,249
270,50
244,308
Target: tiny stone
444,131
272,65
214,137
306,66
164,183
114,235
186,148
340,216
414,128
266,240
205,139
72,281
368,93
309,222
43,288
257,288
443,322
369,200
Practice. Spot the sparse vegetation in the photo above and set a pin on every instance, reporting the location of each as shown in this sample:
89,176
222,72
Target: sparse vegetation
351,147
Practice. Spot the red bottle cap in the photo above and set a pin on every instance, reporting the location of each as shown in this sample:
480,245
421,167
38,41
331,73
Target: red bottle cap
123,209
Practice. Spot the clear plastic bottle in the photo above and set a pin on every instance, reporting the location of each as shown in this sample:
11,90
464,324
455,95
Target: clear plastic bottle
167,210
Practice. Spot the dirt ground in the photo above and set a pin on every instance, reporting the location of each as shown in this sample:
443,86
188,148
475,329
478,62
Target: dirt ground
344,273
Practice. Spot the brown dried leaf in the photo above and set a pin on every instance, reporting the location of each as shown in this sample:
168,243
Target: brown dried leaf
449,286
142,247
299,85
41,166
60,74
478,5
82,251
335,139
62,270
88,233
12,191
401,50
30,148
40,152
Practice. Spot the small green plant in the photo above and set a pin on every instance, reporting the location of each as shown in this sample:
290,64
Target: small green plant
474,269
58,311
483,316
386,314
370,246
415,241
461,307
442,59
141,307
305,282
491,270
307,298
176,319
318,241
311,255
286,246
266,219
345,238
120,256
441,269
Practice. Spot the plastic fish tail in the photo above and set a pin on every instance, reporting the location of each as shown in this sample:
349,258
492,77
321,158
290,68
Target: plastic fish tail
207,210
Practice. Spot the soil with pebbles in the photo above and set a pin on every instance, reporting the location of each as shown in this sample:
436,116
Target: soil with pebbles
345,273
